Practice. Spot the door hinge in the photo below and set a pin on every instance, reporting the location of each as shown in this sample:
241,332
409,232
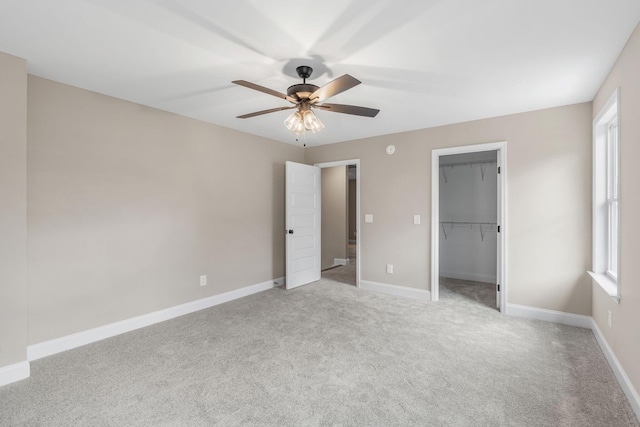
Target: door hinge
498,287
498,229
498,169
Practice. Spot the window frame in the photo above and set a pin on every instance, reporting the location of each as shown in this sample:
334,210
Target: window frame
606,197
613,198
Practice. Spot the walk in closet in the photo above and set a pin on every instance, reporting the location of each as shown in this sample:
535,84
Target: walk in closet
468,216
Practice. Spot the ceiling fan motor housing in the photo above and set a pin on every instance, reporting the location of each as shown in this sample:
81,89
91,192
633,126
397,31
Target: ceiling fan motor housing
302,90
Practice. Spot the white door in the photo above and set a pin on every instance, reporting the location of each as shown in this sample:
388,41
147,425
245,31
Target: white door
302,219
498,237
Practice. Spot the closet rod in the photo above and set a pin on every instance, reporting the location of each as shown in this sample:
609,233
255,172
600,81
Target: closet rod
470,224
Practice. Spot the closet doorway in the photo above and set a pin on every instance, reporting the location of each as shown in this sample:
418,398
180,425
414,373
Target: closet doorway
468,230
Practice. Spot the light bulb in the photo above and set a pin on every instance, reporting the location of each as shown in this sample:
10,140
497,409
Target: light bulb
299,129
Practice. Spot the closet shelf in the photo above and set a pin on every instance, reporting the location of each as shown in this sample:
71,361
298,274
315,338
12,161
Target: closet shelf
476,162
482,163
484,227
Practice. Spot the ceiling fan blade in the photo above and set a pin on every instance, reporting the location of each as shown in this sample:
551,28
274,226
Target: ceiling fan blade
264,90
259,113
334,87
349,109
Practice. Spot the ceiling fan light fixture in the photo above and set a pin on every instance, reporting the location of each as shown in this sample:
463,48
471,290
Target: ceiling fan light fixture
294,122
305,96
312,122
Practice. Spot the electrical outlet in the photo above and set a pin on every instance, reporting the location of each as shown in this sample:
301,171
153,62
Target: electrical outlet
203,280
609,318
390,268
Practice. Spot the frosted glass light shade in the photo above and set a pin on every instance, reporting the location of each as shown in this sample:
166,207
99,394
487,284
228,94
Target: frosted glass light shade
312,122
294,122
298,122
299,127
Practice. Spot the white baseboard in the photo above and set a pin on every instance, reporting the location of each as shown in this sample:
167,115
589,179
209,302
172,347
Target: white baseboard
57,345
621,375
549,315
486,278
341,261
16,372
402,291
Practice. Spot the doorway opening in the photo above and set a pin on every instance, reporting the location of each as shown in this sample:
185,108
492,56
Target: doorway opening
340,221
468,223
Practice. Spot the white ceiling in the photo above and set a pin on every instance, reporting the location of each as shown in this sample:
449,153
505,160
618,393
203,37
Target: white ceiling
423,63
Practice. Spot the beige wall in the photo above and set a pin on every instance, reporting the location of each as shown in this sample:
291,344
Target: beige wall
13,210
623,336
129,205
334,214
548,209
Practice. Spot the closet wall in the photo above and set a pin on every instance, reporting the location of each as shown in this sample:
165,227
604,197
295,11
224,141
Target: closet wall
334,215
468,215
353,219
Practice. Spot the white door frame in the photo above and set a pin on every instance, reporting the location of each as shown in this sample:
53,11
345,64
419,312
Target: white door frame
355,162
501,148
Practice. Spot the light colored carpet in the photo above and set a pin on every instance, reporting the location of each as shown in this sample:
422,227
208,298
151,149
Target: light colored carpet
328,354
481,293
344,273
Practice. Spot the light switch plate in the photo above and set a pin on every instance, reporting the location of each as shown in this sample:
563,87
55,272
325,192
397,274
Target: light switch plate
416,219
368,218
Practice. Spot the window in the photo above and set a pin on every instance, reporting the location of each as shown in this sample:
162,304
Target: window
606,198
612,198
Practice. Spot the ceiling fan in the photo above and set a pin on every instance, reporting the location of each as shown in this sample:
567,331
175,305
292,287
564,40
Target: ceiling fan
306,96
